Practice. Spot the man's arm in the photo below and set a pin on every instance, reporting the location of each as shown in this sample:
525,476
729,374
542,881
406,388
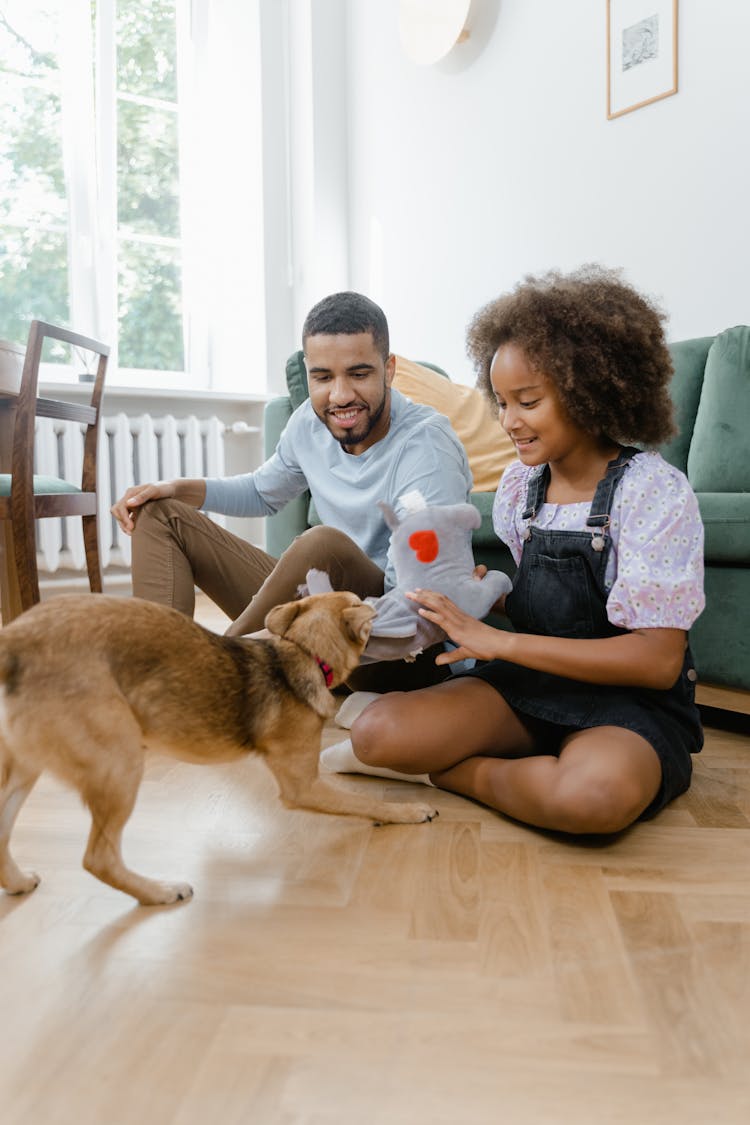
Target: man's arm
260,493
265,491
125,510
435,464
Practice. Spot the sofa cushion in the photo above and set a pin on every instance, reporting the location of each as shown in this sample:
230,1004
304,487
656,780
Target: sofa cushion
484,536
718,461
296,379
726,522
488,447
689,359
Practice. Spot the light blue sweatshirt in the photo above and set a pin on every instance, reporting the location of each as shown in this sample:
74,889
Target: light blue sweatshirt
420,451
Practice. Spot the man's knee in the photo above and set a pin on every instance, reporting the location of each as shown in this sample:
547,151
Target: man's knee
159,512
321,542
332,551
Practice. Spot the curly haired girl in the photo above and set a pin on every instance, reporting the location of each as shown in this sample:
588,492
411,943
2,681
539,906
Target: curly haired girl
582,719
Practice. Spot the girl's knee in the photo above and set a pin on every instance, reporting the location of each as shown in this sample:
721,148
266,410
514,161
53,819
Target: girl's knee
378,733
599,806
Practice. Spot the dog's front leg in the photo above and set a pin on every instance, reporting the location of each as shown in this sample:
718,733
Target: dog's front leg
295,767
324,797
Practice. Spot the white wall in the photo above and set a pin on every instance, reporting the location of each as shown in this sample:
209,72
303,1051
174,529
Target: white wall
500,161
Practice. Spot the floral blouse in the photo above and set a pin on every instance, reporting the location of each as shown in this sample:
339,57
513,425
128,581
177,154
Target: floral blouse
654,575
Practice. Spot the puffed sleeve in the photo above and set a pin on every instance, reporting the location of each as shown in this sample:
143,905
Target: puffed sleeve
508,506
659,574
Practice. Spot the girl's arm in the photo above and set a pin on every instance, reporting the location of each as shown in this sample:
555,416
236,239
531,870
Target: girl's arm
649,658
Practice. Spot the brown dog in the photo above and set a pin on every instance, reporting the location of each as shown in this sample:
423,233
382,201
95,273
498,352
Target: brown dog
88,682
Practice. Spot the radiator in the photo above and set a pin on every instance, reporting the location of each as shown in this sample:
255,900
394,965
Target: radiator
132,450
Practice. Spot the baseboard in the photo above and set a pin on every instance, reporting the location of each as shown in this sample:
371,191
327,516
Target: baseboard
723,698
115,582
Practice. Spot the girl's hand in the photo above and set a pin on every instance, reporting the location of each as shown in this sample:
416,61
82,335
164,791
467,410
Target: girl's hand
474,640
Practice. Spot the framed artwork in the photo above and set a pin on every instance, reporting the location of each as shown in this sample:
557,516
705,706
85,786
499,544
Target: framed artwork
641,53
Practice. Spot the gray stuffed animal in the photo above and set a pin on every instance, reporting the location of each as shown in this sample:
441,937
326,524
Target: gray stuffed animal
431,549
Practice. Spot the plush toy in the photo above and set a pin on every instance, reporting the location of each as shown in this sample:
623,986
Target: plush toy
431,549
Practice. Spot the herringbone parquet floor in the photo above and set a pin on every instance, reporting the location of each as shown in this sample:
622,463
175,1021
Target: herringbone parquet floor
330,973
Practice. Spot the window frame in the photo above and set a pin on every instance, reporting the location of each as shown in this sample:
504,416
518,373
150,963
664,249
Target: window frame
223,217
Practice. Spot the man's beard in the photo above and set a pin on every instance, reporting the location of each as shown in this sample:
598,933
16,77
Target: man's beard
354,437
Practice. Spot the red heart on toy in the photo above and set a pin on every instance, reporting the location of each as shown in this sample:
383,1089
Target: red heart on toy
425,545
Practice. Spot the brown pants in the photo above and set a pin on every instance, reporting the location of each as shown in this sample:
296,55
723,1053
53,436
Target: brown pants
176,548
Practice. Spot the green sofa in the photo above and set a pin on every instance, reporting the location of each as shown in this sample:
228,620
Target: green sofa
711,391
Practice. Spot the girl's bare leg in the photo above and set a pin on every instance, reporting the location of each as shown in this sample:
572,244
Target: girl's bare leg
601,782
436,728
468,739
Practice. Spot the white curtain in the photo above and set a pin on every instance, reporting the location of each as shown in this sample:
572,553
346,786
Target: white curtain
222,193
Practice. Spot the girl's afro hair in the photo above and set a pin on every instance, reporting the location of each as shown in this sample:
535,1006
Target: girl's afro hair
599,340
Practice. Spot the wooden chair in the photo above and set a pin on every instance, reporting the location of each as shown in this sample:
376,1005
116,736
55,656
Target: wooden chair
25,498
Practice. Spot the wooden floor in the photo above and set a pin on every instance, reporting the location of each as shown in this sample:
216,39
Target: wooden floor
330,973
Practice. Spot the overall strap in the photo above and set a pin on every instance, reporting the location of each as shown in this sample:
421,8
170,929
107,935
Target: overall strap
601,505
536,490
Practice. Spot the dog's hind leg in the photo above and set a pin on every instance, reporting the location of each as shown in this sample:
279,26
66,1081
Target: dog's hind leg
110,789
15,785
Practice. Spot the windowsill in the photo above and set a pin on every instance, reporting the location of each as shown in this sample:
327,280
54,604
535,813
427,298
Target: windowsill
83,390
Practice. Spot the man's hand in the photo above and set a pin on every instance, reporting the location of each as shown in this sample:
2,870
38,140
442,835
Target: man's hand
138,494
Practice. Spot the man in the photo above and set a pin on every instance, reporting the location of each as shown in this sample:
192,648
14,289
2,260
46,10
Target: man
355,441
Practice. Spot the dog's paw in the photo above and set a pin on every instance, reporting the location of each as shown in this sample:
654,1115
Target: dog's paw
24,884
162,894
412,813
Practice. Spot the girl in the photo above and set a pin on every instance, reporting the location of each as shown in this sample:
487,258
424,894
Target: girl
583,719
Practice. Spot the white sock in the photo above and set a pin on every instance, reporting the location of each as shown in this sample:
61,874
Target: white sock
353,706
340,758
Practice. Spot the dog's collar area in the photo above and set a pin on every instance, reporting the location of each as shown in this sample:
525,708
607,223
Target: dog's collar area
327,671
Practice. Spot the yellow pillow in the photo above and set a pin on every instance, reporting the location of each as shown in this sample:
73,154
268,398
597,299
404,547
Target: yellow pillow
488,447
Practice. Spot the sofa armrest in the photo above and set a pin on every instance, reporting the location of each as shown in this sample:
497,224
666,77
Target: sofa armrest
291,521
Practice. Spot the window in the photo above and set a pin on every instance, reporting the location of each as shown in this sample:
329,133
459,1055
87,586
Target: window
149,286
33,203
130,181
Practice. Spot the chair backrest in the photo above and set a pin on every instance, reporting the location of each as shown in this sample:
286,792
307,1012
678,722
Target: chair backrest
30,406
24,498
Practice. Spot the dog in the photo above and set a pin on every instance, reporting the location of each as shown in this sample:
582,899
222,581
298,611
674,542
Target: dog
89,683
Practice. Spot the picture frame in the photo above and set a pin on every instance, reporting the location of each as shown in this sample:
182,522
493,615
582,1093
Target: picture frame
641,53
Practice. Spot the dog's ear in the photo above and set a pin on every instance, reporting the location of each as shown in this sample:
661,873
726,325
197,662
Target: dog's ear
358,622
281,617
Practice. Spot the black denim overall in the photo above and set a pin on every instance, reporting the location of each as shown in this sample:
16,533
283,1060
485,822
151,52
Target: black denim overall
559,591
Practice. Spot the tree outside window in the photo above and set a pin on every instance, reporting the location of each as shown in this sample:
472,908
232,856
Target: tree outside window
44,260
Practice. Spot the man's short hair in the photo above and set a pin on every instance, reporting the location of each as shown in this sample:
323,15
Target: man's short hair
348,314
